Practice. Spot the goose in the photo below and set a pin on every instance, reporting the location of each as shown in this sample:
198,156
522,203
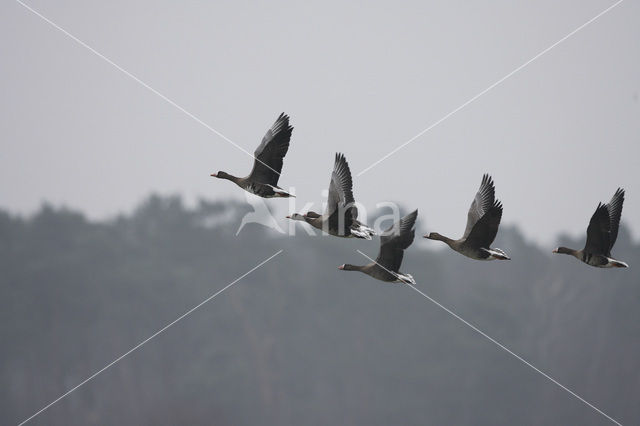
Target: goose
483,220
267,164
340,217
601,235
393,242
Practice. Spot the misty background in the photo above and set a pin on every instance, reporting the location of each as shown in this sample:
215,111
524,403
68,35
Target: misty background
298,341
91,264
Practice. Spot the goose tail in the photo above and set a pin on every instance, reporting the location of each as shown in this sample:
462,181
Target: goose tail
499,254
362,231
282,194
618,263
407,279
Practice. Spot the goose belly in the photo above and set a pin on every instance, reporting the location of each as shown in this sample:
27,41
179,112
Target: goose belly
261,190
255,189
476,254
597,260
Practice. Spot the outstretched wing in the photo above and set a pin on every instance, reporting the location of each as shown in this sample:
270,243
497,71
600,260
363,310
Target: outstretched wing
615,211
269,155
484,200
599,232
486,228
395,240
341,187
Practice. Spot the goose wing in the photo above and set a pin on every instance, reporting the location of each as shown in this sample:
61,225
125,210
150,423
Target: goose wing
269,155
484,200
615,211
599,231
485,229
341,188
395,240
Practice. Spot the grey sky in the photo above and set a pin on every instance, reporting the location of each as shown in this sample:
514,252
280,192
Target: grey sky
558,137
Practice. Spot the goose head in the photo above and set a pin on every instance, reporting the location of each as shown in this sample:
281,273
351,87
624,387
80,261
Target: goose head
348,267
435,236
563,250
296,216
221,175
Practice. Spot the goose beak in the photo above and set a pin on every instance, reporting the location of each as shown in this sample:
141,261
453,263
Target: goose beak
287,217
555,251
341,267
214,175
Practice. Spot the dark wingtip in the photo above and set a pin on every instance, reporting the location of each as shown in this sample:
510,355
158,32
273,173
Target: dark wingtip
284,118
340,158
411,218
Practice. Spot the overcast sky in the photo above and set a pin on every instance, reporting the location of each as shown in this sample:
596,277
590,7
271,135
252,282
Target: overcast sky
558,136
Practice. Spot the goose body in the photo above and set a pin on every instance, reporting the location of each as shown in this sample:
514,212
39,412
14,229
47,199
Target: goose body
393,242
483,220
267,164
340,217
601,235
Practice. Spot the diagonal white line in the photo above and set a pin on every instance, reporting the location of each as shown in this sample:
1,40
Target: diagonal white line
518,357
136,347
501,346
137,80
490,87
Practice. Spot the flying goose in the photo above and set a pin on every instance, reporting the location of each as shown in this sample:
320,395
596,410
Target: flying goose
601,235
340,217
393,242
267,164
483,220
